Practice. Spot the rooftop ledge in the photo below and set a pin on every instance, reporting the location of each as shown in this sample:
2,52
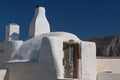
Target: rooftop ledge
67,79
107,57
17,61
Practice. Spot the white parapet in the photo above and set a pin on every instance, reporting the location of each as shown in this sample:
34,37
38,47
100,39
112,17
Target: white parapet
68,79
106,64
88,53
108,76
39,23
3,74
12,32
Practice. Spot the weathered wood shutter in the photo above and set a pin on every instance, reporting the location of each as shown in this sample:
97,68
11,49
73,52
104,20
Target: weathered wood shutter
70,60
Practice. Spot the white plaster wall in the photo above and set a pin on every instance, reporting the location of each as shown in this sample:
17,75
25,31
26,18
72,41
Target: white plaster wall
88,52
12,32
11,47
57,51
108,76
108,65
31,71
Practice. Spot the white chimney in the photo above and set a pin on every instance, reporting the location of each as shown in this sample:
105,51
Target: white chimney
12,32
39,23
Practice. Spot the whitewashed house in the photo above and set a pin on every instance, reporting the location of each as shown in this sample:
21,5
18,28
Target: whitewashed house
50,55
46,55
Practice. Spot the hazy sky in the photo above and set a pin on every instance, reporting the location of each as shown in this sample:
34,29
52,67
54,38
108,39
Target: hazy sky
85,18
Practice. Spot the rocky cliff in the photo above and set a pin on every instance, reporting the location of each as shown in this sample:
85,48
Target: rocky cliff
107,46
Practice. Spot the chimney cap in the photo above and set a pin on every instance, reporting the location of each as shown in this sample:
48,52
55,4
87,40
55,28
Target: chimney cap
39,6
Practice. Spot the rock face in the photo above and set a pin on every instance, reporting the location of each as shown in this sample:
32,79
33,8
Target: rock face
107,46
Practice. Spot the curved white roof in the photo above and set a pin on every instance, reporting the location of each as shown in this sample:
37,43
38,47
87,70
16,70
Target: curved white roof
30,49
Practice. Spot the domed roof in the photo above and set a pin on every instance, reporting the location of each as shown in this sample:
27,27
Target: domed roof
31,49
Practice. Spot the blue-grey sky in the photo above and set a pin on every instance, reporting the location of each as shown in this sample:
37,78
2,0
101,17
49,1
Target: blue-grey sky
85,18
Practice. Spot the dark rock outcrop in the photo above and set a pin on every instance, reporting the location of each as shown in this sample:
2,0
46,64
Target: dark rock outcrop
107,46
